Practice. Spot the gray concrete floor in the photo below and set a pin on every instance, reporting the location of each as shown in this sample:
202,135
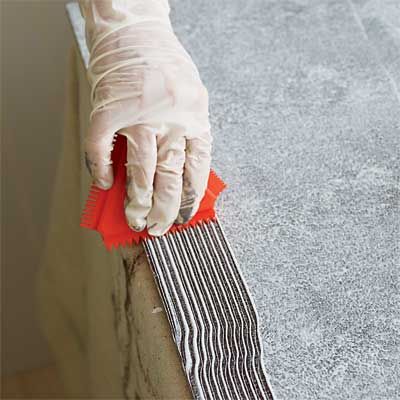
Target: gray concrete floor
305,114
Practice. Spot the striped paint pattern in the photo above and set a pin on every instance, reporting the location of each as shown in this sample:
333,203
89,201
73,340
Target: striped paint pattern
212,316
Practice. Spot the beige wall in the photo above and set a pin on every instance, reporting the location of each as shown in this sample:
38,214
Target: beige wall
35,37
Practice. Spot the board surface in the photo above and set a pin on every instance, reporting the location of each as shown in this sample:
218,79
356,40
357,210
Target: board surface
304,104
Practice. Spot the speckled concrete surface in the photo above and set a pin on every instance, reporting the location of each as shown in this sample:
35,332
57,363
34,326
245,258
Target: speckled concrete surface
305,112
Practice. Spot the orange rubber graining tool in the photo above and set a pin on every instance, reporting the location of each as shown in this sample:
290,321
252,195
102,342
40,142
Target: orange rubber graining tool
104,209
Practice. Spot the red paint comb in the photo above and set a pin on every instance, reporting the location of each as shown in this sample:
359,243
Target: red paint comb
104,209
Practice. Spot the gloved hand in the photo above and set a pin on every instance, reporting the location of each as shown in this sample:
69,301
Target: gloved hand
146,87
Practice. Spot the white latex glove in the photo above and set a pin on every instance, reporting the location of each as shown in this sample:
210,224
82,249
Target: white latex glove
146,87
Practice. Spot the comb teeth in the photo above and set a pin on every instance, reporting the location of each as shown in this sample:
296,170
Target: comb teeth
218,179
93,208
212,317
114,241
120,240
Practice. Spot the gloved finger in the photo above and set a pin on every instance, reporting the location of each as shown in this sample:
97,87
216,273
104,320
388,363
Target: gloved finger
98,161
140,169
195,177
167,183
99,142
